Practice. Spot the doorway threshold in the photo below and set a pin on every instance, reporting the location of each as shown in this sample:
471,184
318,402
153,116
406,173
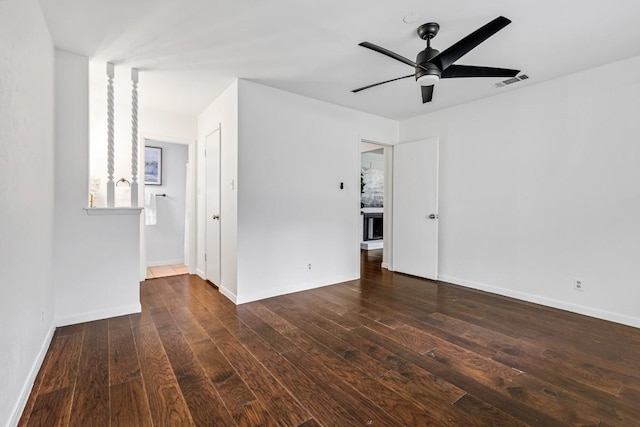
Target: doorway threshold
166,271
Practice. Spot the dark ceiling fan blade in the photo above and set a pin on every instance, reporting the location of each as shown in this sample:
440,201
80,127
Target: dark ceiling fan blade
456,71
381,83
462,47
388,53
427,93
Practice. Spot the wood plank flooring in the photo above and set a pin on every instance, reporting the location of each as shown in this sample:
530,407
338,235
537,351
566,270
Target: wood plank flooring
385,350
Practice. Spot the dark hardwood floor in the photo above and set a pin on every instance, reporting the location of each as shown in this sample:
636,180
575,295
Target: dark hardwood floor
386,350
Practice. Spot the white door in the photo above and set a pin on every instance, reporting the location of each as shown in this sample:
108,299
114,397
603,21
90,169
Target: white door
415,208
212,203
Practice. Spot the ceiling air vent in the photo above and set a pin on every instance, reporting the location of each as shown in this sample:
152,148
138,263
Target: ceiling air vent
512,80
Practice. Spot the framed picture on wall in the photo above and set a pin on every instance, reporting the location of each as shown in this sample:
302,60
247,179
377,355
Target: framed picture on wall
153,165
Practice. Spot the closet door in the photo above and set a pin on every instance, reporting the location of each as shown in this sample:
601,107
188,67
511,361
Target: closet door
212,203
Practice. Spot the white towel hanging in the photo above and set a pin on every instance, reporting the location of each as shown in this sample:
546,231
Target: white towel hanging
150,209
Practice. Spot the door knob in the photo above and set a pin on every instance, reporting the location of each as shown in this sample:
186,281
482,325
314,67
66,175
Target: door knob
216,217
433,216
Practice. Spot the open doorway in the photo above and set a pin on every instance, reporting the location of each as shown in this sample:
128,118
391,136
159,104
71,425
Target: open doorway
165,202
375,200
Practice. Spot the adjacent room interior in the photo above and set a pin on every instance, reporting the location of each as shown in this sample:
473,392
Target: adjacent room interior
165,201
372,187
345,236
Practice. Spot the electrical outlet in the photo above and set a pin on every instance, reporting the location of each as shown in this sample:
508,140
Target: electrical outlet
578,284
41,316
309,267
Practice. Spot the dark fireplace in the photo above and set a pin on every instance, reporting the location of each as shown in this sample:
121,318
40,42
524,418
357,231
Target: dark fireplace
372,226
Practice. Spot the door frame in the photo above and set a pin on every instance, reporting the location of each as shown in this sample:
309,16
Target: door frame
190,250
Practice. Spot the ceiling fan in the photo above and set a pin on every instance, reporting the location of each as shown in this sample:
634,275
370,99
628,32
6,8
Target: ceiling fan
432,65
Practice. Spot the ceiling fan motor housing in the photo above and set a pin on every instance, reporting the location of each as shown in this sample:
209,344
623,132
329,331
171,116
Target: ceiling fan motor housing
428,30
426,67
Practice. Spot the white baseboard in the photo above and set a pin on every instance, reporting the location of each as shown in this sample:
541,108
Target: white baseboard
165,262
227,293
200,273
98,315
18,408
372,244
549,302
284,290
385,265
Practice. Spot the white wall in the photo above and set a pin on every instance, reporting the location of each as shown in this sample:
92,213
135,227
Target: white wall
165,239
542,185
293,153
26,200
223,113
96,258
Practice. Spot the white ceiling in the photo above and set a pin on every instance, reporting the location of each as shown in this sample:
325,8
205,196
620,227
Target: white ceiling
189,51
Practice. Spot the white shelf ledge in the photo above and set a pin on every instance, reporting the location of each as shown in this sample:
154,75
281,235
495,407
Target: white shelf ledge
113,211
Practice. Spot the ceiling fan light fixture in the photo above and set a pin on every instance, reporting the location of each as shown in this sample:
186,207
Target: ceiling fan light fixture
428,79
